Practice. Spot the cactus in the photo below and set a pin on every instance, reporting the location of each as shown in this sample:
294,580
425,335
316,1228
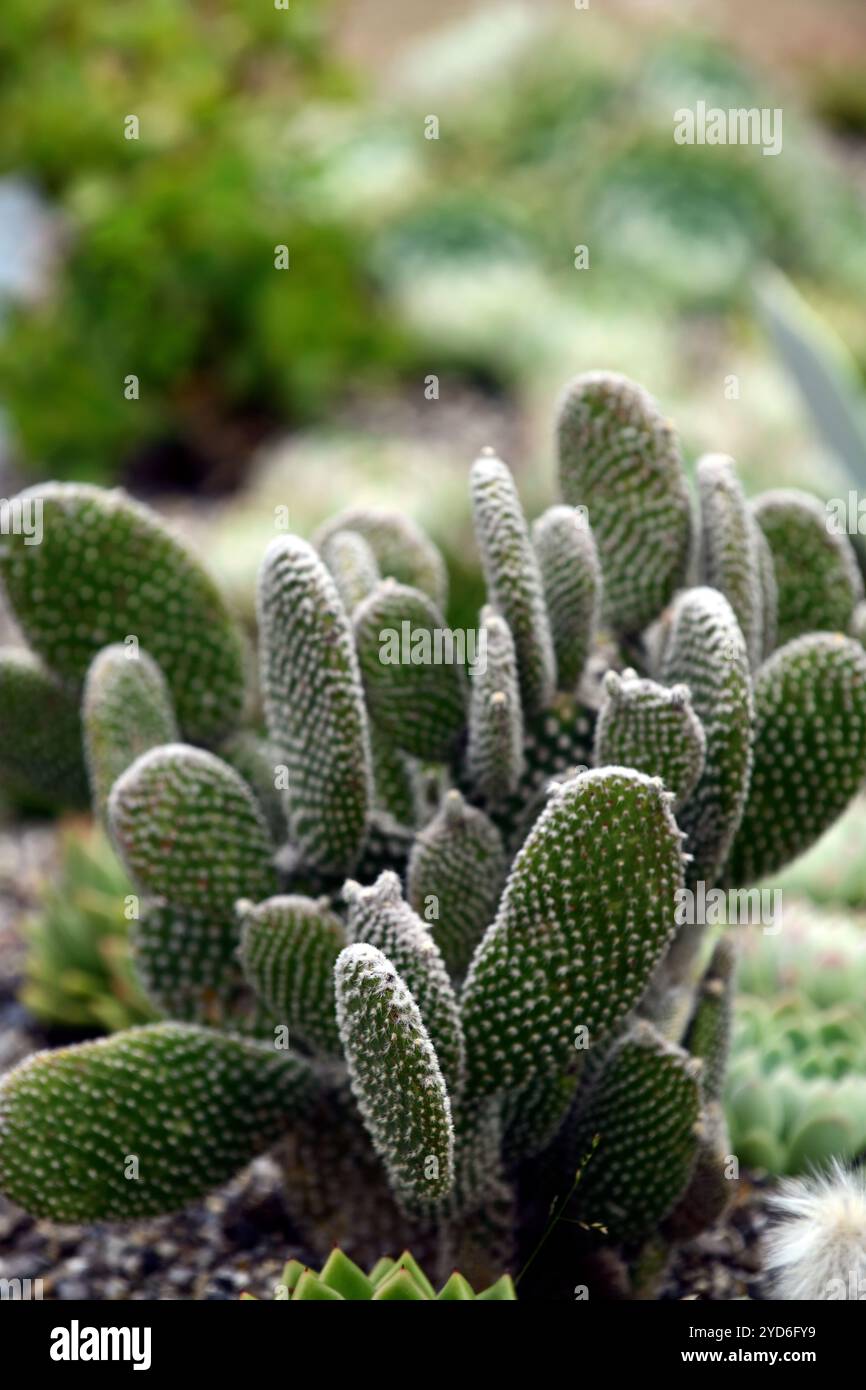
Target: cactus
818,580
421,936
401,1280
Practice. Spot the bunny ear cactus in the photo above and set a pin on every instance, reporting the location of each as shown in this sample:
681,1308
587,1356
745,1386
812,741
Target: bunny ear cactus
818,580
421,932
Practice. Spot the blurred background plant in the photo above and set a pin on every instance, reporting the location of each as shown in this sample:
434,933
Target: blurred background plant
77,971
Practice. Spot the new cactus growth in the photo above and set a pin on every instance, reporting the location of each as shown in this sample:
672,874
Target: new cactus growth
420,931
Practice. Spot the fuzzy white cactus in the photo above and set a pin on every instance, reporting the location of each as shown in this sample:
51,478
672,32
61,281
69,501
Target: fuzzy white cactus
818,1249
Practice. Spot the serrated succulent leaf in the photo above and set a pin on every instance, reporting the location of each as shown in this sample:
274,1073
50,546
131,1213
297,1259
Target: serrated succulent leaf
620,458
395,1075
314,705
190,831
108,568
189,1105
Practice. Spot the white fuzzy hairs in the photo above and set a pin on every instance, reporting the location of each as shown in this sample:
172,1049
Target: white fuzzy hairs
817,1250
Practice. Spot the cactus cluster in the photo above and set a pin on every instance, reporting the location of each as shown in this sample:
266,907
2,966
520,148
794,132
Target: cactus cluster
414,925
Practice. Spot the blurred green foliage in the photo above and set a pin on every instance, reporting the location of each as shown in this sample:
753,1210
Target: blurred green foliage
796,1090
169,269
408,255
78,970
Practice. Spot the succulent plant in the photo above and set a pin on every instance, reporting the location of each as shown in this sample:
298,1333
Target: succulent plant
796,1088
402,1280
435,959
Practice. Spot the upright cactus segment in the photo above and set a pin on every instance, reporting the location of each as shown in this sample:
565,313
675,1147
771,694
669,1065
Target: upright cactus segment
810,751
395,1075
126,711
414,687
620,458
41,757
401,549
142,1122
769,589
585,916
379,916
651,728
314,705
494,754
108,569
513,576
189,830
455,876
817,577
353,566
289,946
706,652
730,560
643,1118
571,576
708,1035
